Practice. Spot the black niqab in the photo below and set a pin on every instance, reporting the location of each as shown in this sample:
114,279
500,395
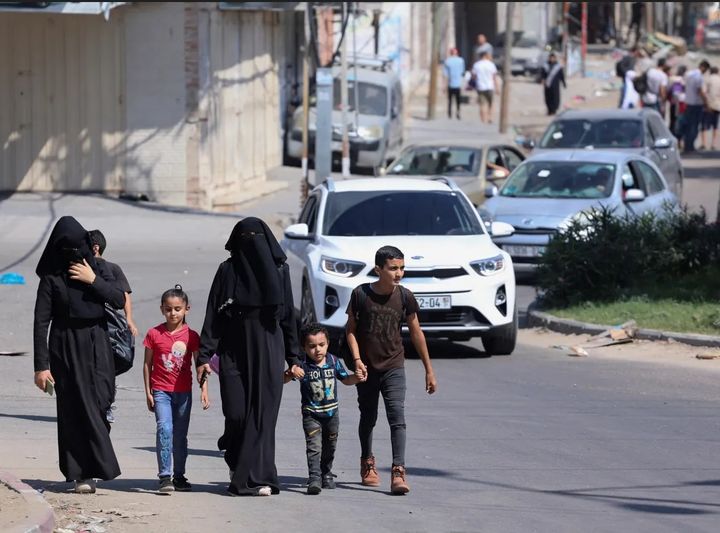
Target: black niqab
68,233
256,257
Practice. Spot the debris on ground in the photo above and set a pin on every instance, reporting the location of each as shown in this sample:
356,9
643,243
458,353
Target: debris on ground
620,334
707,356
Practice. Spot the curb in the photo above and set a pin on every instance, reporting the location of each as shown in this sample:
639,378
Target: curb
567,326
40,515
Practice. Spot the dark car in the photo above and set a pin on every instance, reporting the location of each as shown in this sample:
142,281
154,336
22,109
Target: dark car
639,131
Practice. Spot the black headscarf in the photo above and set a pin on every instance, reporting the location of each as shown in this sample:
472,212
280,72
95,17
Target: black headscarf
256,258
66,235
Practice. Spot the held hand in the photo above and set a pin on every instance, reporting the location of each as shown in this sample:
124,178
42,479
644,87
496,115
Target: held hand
202,369
82,272
205,400
360,370
41,376
297,372
150,402
430,383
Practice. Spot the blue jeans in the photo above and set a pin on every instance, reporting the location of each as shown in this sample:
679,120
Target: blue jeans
692,116
172,414
391,384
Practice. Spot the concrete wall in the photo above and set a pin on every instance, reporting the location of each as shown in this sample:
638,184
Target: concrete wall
61,102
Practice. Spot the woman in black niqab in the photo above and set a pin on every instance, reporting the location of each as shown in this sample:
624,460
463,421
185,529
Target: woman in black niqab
249,323
76,356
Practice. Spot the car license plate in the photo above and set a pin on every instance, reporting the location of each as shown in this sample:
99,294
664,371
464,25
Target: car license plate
434,301
524,251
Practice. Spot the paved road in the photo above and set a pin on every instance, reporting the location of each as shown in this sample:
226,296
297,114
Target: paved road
532,442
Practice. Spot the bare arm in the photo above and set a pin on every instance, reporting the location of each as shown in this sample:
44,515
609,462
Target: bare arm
204,396
147,369
418,339
129,315
352,379
353,346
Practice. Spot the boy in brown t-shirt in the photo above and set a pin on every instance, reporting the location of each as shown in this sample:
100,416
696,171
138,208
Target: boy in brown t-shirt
375,315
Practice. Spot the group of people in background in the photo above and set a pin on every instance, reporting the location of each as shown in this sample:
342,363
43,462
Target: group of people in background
484,80
688,98
249,339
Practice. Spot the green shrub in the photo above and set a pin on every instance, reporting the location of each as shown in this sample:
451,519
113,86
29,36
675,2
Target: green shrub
602,257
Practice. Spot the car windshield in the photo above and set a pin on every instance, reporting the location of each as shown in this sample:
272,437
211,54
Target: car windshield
560,179
372,99
431,160
366,213
583,133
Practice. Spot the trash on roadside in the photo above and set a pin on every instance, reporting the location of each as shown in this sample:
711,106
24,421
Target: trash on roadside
707,356
620,334
578,351
12,278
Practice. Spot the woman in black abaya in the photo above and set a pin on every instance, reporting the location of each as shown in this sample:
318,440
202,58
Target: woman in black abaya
250,324
77,356
552,76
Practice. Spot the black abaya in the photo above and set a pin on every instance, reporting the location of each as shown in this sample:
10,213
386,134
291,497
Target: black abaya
79,356
552,90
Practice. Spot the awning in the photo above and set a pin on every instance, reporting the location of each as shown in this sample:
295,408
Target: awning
64,8
261,6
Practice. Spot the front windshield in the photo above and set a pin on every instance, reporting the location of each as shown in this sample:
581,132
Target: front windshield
432,160
582,133
560,179
372,99
366,213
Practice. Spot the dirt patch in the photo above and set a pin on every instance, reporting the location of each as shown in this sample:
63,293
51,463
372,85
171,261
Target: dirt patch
662,352
13,509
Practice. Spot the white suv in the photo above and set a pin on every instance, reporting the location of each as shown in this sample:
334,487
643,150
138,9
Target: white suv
464,283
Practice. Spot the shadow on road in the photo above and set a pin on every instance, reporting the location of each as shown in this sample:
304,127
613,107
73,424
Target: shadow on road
33,418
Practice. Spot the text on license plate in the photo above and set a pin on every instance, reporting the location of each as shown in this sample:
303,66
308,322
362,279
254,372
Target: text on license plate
436,301
524,251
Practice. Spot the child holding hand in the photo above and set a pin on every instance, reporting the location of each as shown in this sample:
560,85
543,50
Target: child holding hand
318,375
167,372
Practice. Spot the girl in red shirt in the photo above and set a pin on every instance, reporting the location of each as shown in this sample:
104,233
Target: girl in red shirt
169,351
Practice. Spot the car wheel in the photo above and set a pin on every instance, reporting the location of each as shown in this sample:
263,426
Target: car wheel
501,340
307,308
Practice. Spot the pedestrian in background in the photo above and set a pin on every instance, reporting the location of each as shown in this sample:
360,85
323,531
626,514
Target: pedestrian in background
483,46
676,99
657,82
250,324
170,348
76,359
636,15
695,101
552,76
485,76
376,313
454,67
712,109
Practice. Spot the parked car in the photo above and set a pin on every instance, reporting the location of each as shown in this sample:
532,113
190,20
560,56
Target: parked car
639,131
527,57
464,284
711,37
375,130
470,164
551,189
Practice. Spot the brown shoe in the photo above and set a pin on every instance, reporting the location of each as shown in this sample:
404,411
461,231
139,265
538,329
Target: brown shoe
398,485
368,474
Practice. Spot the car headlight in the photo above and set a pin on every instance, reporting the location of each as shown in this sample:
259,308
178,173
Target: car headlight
341,267
490,266
372,133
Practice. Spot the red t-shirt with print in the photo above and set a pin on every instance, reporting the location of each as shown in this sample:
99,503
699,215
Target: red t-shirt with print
172,357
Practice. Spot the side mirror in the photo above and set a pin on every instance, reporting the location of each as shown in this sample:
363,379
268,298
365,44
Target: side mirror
298,231
634,195
662,142
501,229
490,191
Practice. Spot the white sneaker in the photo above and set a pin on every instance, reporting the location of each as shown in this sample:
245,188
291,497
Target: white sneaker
85,486
263,491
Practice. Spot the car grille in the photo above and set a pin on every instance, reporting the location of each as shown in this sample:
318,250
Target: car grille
437,273
455,316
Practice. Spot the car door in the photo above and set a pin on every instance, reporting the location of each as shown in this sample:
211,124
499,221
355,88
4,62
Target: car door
649,150
296,249
655,188
633,178
670,164
512,157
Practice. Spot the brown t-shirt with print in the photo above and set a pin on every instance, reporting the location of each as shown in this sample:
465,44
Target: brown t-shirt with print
379,318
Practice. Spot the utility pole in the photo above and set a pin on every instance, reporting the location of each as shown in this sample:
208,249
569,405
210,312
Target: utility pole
305,182
324,97
344,97
583,36
434,56
507,67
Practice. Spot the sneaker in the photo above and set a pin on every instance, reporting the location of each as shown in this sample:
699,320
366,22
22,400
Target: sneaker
398,485
85,486
328,481
368,474
166,485
314,486
263,491
181,484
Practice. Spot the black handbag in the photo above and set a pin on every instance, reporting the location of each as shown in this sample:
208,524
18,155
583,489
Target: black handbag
121,340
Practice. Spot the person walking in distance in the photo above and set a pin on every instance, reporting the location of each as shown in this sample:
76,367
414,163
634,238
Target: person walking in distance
375,315
483,46
485,75
712,109
695,101
454,68
552,76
